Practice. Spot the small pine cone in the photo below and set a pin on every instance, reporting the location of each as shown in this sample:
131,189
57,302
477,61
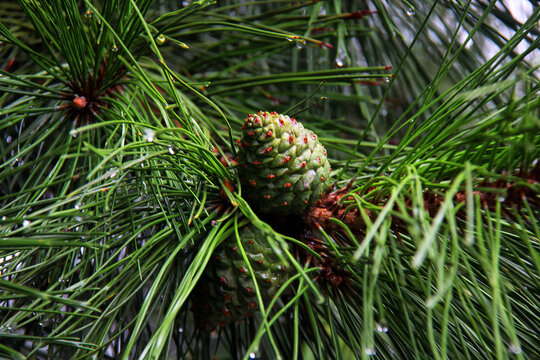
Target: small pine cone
284,168
226,291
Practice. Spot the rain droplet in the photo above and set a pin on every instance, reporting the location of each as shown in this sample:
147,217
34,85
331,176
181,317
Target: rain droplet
114,48
290,39
149,135
387,79
411,12
8,139
77,206
252,355
180,330
214,223
4,218
73,133
300,44
514,348
171,150
161,39
382,328
88,14
370,351
340,58
26,222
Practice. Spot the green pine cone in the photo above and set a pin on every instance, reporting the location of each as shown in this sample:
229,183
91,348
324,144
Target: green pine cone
284,168
226,291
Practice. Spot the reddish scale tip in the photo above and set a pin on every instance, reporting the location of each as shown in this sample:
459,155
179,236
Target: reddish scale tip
287,185
217,257
249,289
305,139
252,182
285,203
256,162
251,305
271,176
281,122
226,297
250,133
322,178
268,149
286,159
274,113
233,248
223,280
291,139
260,261
226,312
303,164
318,159
314,136
268,134
246,143
267,281
267,196
80,102
241,270
293,120
251,241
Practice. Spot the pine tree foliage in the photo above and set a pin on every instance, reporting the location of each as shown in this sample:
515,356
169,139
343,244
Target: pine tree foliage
119,177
